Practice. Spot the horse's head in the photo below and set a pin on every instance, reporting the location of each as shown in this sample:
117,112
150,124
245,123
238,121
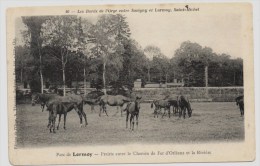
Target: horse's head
189,112
138,103
189,109
35,98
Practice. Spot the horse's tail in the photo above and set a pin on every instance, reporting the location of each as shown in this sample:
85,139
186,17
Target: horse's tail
152,105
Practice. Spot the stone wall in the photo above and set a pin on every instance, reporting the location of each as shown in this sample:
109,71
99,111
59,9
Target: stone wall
217,94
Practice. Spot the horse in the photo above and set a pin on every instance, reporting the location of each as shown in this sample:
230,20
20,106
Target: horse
240,103
56,108
184,105
133,109
161,104
117,100
175,106
62,108
92,98
75,100
42,98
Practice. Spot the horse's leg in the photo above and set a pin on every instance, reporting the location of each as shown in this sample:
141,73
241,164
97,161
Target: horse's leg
127,114
54,120
92,108
133,121
137,116
85,117
180,112
49,120
101,107
131,118
163,112
121,110
42,106
169,112
59,122
80,117
184,112
51,127
106,110
64,123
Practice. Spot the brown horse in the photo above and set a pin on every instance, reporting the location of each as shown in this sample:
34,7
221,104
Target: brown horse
75,100
92,99
175,106
240,103
62,108
117,100
43,99
161,104
184,105
133,109
54,109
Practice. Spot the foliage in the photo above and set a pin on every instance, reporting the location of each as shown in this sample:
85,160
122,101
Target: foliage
103,53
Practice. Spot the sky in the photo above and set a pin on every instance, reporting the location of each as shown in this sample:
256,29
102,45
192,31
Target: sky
220,32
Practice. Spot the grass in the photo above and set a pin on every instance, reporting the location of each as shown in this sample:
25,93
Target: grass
210,122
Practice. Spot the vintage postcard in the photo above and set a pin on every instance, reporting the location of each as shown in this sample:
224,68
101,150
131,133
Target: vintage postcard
146,83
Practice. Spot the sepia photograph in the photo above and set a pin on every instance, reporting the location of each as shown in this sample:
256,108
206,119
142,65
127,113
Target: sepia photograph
131,83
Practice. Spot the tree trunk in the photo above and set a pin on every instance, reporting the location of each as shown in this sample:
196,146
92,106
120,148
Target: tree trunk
41,81
40,54
63,76
85,86
41,73
104,77
21,75
149,79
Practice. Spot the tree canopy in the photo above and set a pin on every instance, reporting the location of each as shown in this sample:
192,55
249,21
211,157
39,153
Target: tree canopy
63,49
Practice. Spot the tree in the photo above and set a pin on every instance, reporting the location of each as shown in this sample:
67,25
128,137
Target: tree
189,58
151,52
84,42
59,33
107,48
133,65
23,61
162,65
34,36
219,69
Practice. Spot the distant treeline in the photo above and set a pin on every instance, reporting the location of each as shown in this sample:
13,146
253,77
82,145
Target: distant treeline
62,49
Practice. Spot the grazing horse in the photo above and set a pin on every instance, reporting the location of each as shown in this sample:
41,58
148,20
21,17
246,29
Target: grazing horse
117,100
75,100
43,99
56,108
161,104
240,103
175,106
62,108
184,105
133,109
91,98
